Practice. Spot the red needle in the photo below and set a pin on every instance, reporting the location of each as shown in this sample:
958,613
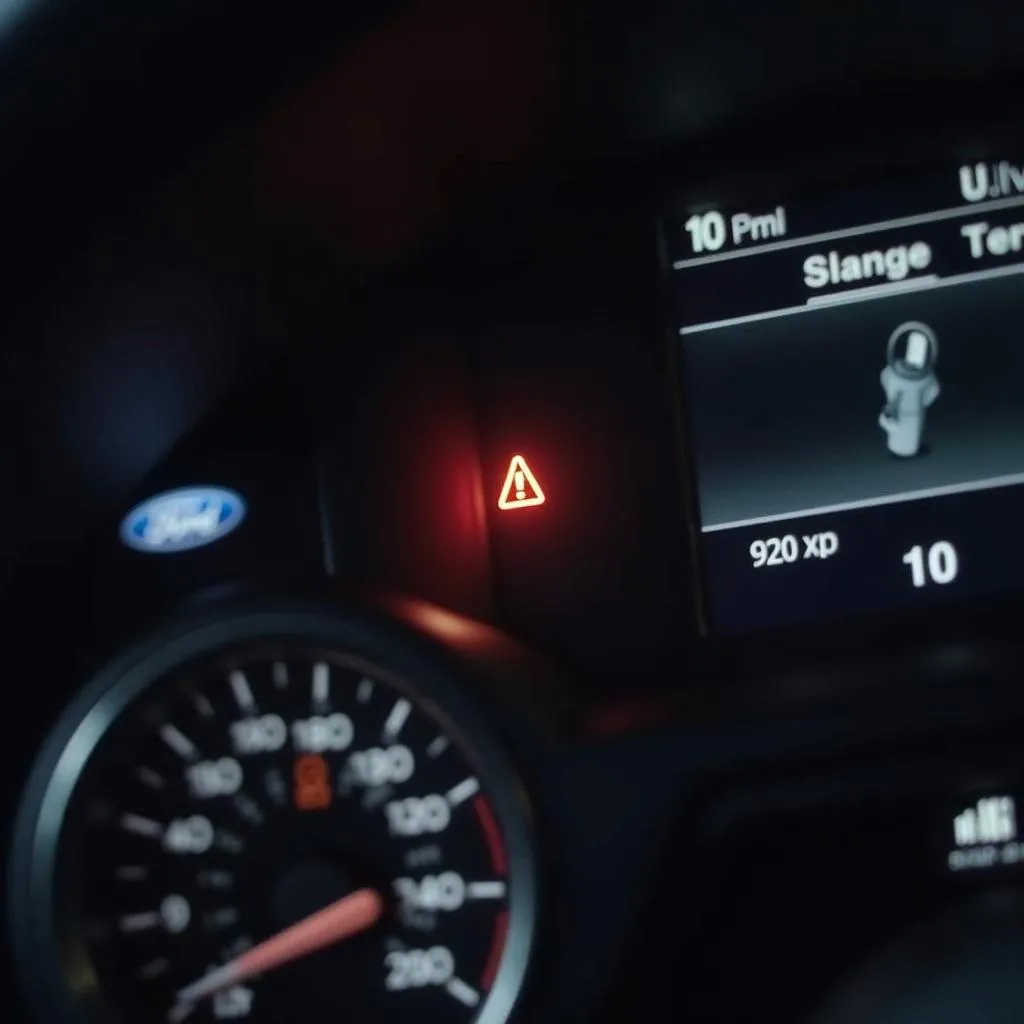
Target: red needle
346,917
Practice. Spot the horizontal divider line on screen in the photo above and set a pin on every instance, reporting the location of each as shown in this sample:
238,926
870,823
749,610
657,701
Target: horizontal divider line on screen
872,291
854,295
988,484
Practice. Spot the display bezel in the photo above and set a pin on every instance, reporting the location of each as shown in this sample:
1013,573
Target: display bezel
856,164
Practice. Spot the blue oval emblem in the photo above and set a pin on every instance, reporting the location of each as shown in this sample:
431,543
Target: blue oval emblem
182,520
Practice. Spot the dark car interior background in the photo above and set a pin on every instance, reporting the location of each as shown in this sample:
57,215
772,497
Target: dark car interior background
512,511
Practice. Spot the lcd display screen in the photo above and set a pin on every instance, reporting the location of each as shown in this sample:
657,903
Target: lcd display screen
853,366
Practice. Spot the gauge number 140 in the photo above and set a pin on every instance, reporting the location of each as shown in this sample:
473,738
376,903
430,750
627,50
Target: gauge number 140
939,564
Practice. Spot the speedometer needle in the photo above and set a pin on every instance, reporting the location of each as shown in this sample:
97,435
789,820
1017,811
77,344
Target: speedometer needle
340,920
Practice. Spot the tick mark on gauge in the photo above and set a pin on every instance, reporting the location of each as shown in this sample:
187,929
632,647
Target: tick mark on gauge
275,786
228,841
248,809
180,1012
154,969
131,873
202,705
240,945
216,920
396,719
321,683
466,994
139,922
279,674
150,778
178,741
364,691
485,890
140,826
242,691
215,879
463,791
437,747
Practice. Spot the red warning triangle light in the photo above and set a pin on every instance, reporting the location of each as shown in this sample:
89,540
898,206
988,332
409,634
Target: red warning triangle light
521,488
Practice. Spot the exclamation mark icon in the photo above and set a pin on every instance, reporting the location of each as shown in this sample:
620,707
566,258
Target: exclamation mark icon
520,489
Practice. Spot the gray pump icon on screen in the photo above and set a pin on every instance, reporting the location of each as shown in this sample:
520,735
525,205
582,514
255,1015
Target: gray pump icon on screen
910,386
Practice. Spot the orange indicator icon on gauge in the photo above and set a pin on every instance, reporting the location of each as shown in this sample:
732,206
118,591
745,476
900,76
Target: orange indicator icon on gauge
312,783
520,489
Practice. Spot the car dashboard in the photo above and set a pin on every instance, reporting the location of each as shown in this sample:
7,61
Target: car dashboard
523,554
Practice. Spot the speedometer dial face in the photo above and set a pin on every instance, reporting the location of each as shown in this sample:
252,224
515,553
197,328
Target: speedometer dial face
284,833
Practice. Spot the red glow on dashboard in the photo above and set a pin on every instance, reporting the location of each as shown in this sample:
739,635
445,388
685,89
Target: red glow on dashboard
499,861
520,489
443,624
497,948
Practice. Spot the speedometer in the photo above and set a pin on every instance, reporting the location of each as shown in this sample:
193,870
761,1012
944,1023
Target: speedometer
264,820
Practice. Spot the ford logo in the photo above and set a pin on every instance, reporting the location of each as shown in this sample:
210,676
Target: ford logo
182,520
